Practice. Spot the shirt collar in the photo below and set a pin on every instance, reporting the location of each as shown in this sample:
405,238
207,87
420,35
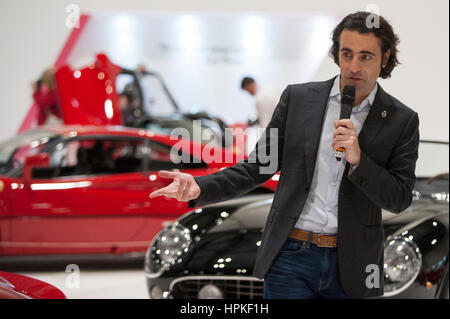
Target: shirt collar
366,103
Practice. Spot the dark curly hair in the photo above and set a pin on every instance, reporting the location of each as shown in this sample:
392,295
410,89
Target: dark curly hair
384,31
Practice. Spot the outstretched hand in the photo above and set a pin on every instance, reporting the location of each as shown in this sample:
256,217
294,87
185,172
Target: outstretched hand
183,187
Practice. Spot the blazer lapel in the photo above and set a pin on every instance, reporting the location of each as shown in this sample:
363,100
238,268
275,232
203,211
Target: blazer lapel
314,117
379,115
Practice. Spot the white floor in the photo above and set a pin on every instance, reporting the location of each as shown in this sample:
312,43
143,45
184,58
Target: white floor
101,278
97,284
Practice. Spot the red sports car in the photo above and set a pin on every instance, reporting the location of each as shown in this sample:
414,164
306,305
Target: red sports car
85,189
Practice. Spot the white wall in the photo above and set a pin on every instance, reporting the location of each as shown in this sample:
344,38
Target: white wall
32,34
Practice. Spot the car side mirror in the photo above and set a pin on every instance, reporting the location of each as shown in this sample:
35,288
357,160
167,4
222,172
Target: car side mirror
33,161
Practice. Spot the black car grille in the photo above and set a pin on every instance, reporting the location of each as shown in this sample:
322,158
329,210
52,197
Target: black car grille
231,288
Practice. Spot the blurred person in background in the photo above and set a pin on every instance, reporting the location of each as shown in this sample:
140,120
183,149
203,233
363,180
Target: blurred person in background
129,103
266,99
45,95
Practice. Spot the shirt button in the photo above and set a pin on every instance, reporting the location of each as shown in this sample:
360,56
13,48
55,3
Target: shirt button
333,184
329,210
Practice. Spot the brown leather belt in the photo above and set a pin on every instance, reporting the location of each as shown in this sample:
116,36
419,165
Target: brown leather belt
317,239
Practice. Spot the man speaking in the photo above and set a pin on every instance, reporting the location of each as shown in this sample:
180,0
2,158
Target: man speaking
324,237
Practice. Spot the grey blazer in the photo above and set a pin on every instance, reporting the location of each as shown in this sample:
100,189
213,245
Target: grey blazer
384,179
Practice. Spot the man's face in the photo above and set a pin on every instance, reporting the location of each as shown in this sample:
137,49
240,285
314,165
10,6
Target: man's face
251,88
360,60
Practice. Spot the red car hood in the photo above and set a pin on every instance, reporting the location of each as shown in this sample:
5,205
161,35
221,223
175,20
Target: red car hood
88,95
13,286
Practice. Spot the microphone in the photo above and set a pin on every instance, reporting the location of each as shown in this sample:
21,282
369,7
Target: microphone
347,100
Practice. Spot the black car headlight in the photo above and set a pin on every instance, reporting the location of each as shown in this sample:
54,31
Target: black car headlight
167,248
402,264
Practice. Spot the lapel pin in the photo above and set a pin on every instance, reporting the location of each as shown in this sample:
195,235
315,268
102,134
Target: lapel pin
384,114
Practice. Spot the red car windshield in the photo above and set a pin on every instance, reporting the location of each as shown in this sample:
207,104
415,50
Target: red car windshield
14,151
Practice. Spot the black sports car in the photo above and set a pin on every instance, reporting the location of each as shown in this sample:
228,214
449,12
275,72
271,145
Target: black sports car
210,252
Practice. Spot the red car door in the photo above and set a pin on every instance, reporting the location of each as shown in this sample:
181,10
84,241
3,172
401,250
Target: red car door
41,214
92,199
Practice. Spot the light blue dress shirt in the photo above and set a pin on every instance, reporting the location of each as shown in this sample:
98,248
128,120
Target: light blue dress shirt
320,213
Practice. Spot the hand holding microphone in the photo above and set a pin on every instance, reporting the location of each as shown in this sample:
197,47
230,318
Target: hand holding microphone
347,100
345,138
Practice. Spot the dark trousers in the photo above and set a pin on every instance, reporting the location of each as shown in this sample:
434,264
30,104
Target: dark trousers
304,271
